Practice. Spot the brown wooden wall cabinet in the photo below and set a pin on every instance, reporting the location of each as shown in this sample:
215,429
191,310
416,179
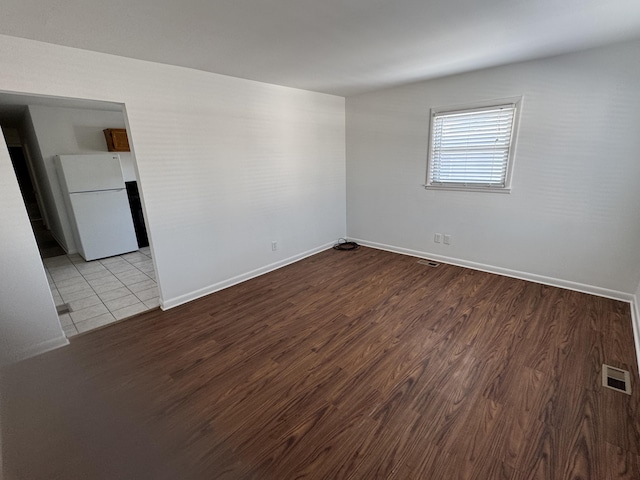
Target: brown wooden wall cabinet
117,140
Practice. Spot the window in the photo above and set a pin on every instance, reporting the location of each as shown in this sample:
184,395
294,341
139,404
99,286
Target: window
472,148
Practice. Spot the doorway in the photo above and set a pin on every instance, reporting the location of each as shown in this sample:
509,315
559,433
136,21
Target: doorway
48,246
87,294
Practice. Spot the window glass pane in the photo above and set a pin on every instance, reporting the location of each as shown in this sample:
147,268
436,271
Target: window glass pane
471,148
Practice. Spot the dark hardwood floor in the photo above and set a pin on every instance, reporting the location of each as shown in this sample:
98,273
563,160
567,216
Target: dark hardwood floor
346,365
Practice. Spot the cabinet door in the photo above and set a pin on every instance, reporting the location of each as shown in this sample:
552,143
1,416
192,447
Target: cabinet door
117,140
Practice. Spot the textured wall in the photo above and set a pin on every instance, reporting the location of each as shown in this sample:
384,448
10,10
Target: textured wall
572,217
28,319
226,165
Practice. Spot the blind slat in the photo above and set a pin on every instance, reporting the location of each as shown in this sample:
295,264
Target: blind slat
471,148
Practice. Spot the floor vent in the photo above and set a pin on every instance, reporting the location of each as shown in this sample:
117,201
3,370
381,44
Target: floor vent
430,263
616,379
62,309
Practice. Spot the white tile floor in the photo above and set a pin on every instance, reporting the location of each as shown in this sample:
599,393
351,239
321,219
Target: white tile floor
101,291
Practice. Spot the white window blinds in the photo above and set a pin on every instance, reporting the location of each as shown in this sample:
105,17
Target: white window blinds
471,148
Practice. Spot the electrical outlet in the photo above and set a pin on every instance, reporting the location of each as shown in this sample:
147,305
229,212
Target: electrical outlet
447,240
274,246
437,237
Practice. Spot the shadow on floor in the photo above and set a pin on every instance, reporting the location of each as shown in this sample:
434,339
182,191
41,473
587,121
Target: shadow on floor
47,245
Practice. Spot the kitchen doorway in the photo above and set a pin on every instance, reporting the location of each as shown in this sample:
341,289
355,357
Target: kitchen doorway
87,294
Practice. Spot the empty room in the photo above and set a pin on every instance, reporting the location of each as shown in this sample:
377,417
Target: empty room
387,241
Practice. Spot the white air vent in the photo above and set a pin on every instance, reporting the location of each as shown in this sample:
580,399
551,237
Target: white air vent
430,263
616,379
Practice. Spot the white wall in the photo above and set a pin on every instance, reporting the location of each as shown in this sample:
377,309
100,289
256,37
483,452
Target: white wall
637,311
635,319
28,320
226,166
572,217
62,131
78,130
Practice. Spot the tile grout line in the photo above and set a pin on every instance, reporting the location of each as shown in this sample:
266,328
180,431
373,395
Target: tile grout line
116,260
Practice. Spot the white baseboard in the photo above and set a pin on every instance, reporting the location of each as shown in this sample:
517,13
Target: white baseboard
63,244
635,322
40,348
554,282
532,277
174,302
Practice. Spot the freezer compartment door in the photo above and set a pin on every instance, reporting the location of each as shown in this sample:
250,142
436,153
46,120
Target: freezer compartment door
104,224
84,173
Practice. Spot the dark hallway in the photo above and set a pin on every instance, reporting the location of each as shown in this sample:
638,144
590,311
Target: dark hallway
47,245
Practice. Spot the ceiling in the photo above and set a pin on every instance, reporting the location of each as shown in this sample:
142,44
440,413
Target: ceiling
342,47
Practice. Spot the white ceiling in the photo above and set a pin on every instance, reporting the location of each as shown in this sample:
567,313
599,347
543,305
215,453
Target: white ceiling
342,47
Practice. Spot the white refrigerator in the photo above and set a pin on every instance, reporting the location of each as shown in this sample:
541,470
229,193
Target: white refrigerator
97,204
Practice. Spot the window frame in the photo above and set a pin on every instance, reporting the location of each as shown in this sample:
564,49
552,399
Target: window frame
470,107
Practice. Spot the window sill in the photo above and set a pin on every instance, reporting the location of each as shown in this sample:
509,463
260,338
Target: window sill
452,188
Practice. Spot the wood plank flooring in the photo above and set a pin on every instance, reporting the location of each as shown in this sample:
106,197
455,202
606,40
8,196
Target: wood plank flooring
345,365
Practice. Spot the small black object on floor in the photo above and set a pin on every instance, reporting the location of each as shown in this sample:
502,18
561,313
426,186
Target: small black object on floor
343,244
